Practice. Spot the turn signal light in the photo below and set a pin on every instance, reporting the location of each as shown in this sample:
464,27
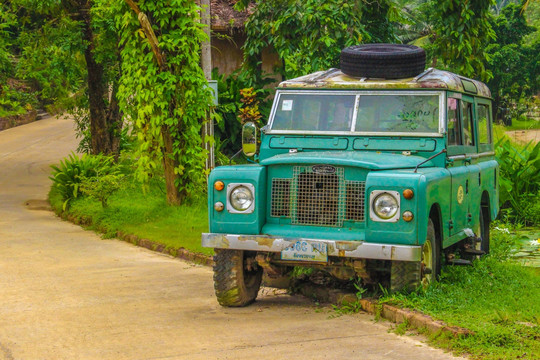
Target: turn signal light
408,194
219,206
219,185
407,216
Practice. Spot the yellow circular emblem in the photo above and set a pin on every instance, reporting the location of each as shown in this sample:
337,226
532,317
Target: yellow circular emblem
460,194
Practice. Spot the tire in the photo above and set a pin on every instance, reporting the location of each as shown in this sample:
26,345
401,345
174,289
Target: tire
385,61
485,222
235,285
405,276
483,235
410,275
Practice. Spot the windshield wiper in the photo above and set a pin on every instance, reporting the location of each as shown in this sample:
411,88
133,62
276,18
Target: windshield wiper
429,158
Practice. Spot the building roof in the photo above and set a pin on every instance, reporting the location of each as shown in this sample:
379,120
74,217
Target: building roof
430,79
225,18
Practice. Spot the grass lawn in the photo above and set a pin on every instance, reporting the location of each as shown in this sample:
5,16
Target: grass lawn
527,124
146,215
497,298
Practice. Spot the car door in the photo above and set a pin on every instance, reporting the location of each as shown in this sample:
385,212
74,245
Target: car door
461,150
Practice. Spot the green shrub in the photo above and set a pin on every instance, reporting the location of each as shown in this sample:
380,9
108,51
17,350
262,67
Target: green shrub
503,243
15,102
101,187
519,181
70,173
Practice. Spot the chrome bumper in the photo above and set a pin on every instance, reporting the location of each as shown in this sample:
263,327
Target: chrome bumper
348,249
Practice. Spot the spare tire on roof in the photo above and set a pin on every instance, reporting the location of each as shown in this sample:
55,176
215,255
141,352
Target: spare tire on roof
386,61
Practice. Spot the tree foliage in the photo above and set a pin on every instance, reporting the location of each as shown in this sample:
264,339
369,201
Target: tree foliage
165,99
515,66
59,49
8,21
308,35
51,60
462,30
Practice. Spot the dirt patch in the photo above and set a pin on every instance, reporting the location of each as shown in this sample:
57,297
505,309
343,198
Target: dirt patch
37,205
16,120
524,136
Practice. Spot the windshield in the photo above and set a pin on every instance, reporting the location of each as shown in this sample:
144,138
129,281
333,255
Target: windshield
414,113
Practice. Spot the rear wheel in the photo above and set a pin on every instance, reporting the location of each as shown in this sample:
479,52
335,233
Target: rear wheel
476,247
485,222
410,275
237,277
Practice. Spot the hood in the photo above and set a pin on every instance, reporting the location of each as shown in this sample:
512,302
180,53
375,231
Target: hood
363,159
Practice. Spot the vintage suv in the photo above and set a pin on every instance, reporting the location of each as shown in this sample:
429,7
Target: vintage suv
380,170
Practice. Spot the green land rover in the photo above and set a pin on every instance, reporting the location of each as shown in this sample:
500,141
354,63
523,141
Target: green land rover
381,170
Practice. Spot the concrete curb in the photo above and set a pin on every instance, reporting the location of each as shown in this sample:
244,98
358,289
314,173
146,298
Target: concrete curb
180,253
391,313
12,121
394,314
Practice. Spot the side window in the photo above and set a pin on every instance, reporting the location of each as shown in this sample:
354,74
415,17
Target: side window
484,124
454,127
467,116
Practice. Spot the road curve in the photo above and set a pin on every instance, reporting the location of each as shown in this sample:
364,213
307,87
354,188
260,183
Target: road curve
67,294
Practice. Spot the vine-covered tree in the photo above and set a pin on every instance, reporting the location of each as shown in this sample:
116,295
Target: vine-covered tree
163,89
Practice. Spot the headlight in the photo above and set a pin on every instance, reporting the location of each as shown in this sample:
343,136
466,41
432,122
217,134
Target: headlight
241,198
385,205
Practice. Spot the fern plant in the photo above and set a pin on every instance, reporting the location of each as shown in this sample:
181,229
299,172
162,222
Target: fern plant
520,181
70,173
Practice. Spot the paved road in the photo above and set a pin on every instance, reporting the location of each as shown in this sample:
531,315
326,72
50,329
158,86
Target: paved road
67,294
524,136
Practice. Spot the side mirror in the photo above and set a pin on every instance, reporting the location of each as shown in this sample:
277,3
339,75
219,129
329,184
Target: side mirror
249,139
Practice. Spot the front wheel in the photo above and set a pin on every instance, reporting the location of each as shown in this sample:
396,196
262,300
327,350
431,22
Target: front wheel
410,275
237,277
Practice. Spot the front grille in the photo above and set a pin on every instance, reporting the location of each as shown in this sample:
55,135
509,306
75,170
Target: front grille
281,190
318,197
355,200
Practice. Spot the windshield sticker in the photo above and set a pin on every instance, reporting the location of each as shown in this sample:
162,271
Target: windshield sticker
286,105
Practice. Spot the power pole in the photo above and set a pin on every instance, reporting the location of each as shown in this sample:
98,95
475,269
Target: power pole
206,64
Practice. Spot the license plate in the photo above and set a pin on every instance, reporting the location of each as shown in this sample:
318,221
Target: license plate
304,250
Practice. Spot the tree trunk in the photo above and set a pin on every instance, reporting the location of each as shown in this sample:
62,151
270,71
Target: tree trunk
115,122
174,197
100,132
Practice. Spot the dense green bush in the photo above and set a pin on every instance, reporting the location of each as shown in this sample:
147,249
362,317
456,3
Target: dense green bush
519,181
15,102
68,176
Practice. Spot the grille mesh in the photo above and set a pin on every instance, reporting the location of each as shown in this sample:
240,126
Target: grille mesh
318,198
355,200
281,194
313,198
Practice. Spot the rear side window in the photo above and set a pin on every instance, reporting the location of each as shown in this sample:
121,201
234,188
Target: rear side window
484,122
454,126
467,111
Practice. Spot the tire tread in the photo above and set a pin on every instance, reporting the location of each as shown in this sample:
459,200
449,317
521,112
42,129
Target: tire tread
387,61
